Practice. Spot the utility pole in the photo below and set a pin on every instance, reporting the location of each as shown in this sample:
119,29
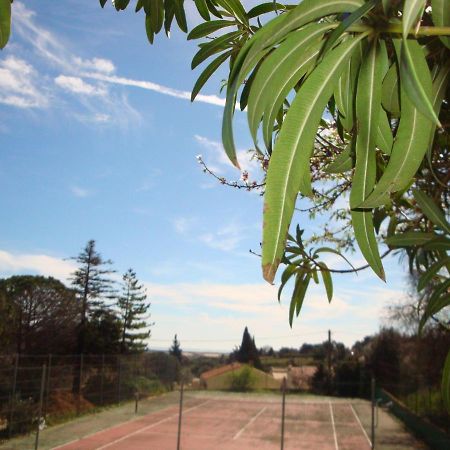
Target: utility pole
329,362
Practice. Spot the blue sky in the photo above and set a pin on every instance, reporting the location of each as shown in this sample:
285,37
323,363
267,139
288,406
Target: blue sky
99,141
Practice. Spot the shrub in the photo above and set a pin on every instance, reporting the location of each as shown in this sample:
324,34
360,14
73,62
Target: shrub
243,380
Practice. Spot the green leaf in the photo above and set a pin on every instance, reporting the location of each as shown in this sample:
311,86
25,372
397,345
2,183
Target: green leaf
439,243
290,270
438,301
327,280
301,285
385,140
202,8
157,15
102,3
342,163
386,6
445,383
262,42
432,271
441,17
412,11
347,22
206,74
120,5
180,15
415,78
206,28
335,252
264,8
281,70
5,22
431,210
216,45
149,29
409,238
289,165
212,9
410,146
390,94
234,7
368,106
169,14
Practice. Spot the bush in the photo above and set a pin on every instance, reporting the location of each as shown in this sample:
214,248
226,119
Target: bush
243,380
144,386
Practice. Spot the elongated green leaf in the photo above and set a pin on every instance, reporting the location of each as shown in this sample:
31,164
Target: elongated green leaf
409,148
438,301
416,78
431,210
342,163
385,140
289,59
390,95
120,5
264,8
180,15
157,14
347,22
212,9
206,74
432,271
5,22
206,28
299,279
169,15
299,293
327,280
412,11
102,3
234,7
215,46
290,270
445,383
202,8
439,243
386,6
289,165
262,42
149,29
441,17
409,238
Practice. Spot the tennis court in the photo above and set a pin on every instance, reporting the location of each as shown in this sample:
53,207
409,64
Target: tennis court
220,422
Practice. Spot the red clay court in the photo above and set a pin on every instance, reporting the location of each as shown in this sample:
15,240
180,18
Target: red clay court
234,423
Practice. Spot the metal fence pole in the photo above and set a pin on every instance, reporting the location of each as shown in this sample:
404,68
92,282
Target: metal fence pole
180,414
136,405
283,410
372,395
119,377
13,394
47,389
102,379
41,401
79,385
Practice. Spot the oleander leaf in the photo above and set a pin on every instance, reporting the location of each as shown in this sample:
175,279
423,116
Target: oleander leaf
342,163
216,45
180,15
149,29
431,210
202,8
327,280
290,270
441,17
206,28
412,11
440,243
5,22
415,78
157,15
385,140
410,238
439,299
390,94
282,69
262,42
289,169
264,8
206,74
445,382
234,7
431,272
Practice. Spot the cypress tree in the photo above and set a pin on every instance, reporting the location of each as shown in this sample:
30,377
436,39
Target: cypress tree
133,306
175,350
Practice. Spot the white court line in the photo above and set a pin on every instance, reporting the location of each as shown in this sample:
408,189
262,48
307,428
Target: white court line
334,428
360,424
248,424
149,426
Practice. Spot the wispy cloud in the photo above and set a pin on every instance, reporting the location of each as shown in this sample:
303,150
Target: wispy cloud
227,238
18,86
77,191
77,85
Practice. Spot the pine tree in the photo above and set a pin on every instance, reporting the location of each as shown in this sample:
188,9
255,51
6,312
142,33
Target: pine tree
92,285
175,350
247,352
133,306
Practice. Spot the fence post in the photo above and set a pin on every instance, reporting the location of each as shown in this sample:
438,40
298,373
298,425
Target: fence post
283,410
41,401
119,376
136,405
102,379
372,396
47,389
79,385
180,414
13,394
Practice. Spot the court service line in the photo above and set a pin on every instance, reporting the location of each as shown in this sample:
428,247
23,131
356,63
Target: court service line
149,426
334,428
236,436
360,424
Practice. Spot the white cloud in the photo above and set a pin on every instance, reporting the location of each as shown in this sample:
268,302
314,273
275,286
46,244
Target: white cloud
95,64
227,238
183,224
18,86
79,192
12,263
78,86
150,86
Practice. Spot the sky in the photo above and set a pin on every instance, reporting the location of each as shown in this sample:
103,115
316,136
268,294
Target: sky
99,141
